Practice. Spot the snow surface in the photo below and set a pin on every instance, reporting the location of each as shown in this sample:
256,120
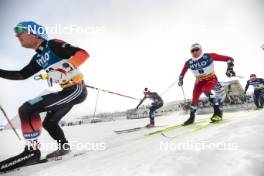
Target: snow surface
134,154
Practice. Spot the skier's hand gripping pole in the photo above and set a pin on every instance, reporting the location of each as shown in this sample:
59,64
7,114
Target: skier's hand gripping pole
180,83
230,71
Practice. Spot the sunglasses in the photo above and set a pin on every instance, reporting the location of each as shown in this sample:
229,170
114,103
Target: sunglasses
20,30
195,50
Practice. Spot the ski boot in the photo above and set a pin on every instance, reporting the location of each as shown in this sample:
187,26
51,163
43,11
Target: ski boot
151,124
218,114
63,149
29,156
190,120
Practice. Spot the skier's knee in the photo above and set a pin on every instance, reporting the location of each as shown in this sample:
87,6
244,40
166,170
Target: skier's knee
25,110
48,125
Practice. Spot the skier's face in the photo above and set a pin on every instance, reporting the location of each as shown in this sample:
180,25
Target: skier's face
253,78
147,94
27,40
196,52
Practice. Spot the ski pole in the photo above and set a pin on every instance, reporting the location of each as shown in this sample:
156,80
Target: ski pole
110,92
96,102
170,87
44,76
183,94
10,123
239,76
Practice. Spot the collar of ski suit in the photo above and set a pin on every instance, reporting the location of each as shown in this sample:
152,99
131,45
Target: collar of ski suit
195,59
41,46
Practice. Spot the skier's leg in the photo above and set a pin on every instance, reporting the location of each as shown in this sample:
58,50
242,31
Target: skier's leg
31,128
155,106
51,124
56,111
152,110
197,91
207,89
256,98
209,86
262,99
52,102
30,121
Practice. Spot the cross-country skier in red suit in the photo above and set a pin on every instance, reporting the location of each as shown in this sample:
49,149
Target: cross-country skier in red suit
202,66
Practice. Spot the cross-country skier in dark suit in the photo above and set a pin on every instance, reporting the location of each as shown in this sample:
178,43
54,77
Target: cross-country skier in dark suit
258,84
60,60
156,104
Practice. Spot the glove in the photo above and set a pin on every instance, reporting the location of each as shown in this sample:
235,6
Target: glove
180,83
230,72
56,76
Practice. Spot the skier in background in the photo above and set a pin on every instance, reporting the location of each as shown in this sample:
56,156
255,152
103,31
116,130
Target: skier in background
202,66
156,104
258,84
60,60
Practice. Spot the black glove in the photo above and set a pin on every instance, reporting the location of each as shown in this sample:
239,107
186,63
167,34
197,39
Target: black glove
230,72
180,83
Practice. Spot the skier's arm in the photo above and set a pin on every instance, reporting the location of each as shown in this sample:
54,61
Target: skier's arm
184,69
247,86
28,71
228,59
183,72
76,56
230,63
218,57
141,101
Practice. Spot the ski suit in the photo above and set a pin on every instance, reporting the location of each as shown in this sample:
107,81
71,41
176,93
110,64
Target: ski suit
51,55
258,85
203,70
156,104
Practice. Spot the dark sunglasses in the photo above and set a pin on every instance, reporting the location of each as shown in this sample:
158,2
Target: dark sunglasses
195,50
20,30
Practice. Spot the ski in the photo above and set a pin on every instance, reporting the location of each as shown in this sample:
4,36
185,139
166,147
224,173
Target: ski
170,128
44,160
128,130
17,168
134,129
197,127
163,130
